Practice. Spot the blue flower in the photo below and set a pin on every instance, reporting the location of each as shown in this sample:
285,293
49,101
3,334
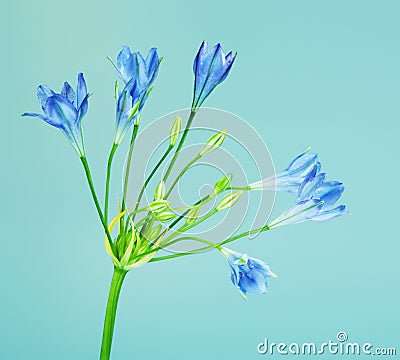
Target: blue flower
132,65
292,177
138,75
210,67
248,274
329,192
65,110
315,201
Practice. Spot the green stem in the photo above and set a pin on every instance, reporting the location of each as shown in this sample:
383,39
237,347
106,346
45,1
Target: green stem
181,142
188,227
170,147
112,304
181,174
96,200
128,164
109,164
231,239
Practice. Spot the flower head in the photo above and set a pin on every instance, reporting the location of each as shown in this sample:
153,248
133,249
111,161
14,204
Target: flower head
65,110
315,201
292,177
138,75
211,67
248,274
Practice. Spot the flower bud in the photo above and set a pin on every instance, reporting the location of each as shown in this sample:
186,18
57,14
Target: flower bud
192,215
160,191
158,205
153,234
213,143
229,200
165,216
175,130
222,184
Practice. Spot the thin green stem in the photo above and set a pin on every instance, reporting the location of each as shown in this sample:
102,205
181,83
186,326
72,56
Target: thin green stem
181,142
170,147
229,240
109,164
128,164
197,157
188,227
111,311
96,200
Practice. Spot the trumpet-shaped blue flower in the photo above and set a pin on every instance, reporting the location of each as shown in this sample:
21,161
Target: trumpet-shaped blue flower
248,274
65,110
138,75
292,177
211,67
315,201
133,65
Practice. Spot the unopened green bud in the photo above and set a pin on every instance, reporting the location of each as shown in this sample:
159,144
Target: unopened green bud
175,130
192,215
158,205
213,143
229,200
165,216
153,234
222,184
160,191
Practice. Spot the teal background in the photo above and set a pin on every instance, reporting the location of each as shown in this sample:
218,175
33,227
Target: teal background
318,73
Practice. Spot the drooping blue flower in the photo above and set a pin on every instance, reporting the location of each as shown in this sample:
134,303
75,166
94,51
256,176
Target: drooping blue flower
211,67
293,176
328,192
138,75
248,274
65,110
315,201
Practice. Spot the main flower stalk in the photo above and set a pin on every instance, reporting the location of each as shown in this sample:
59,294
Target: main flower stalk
111,311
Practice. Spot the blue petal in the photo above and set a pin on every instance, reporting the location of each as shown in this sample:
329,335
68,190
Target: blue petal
200,54
126,64
40,116
69,93
61,112
310,184
152,61
229,59
43,93
302,164
302,211
329,192
81,91
330,214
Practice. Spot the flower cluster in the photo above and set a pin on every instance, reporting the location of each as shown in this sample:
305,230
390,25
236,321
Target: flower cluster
159,224
138,242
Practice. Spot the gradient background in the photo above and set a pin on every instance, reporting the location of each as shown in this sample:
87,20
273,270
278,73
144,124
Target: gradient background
315,73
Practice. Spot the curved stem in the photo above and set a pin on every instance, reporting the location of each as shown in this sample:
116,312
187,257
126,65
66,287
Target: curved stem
170,147
197,157
112,304
96,200
181,142
231,239
109,164
188,227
